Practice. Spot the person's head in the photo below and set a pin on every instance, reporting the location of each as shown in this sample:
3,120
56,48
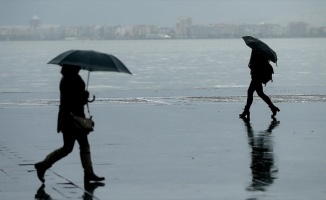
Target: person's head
257,57
70,70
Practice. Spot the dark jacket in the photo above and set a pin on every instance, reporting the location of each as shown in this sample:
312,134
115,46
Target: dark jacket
73,97
260,68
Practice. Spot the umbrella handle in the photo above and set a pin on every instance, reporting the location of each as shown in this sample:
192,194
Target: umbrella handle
92,99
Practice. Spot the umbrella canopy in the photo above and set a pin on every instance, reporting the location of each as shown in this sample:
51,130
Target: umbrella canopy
91,61
260,47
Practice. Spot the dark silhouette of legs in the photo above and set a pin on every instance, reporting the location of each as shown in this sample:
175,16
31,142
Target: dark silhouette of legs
250,93
267,100
261,94
50,159
69,138
85,157
257,86
250,96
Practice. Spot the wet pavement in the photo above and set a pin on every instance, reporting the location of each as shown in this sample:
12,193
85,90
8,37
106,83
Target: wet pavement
171,148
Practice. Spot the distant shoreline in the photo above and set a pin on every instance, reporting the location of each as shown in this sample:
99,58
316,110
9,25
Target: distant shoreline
143,39
182,30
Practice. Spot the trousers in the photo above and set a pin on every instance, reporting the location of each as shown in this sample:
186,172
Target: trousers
256,85
69,139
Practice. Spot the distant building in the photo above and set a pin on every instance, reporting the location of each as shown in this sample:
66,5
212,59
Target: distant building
182,27
298,29
35,22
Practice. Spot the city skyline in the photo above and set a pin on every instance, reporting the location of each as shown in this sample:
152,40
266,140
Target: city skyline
162,12
184,29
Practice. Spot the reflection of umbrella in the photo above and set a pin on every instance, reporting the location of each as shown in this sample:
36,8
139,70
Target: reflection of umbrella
91,61
261,47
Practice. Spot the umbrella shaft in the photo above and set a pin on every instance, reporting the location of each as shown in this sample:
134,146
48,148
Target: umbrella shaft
87,80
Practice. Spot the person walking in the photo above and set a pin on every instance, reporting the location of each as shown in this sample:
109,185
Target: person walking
73,97
259,65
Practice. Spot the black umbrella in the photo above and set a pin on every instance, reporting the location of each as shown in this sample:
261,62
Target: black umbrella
260,47
91,61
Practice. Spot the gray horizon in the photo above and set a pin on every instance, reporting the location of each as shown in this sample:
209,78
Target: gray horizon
162,12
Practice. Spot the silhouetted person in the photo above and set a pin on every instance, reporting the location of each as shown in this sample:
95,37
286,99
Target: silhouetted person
73,97
256,64
262,157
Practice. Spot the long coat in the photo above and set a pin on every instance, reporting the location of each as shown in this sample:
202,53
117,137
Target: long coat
261,70
73,97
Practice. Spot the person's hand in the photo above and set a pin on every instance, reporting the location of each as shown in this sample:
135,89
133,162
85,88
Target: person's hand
85,97
86,94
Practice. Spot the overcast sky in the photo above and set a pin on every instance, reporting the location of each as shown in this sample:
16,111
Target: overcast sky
161,12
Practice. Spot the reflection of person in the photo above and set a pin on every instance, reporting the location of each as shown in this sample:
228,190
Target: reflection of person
41,194
255,64
73,97
90,188
262,157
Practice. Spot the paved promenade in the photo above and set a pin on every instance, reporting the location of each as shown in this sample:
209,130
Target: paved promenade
170,148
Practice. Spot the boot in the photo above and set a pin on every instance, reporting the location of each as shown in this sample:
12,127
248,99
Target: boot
41,169
274,110
49,160
245,114
89,174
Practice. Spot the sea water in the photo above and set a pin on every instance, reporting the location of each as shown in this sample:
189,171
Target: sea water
164,65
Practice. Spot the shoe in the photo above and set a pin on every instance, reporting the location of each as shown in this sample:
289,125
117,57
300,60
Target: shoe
40,168
90,187
274,110
245,115
90,176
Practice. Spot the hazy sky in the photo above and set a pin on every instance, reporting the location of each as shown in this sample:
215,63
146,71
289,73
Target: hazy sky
161,12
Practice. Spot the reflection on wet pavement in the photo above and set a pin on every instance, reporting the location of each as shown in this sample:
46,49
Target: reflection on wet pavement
89,189
41,194
263,169
178,151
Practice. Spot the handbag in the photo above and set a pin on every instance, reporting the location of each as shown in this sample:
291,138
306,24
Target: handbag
83,123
